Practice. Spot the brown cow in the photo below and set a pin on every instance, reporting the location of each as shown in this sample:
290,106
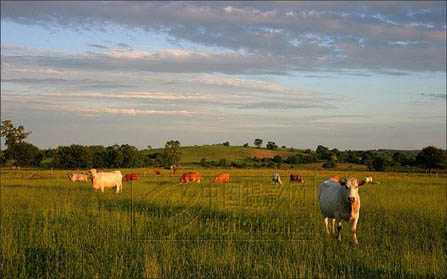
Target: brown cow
336,178
222,178
297,178
131,176
157,172
190,177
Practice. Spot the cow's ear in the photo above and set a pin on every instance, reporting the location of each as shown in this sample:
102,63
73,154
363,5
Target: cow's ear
342,183
361,183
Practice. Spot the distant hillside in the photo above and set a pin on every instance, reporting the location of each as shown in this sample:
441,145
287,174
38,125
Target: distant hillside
238,154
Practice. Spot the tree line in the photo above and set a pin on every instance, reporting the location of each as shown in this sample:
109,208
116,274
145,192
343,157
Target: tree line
22,153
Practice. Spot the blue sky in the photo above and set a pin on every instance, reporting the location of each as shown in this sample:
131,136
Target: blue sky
357,75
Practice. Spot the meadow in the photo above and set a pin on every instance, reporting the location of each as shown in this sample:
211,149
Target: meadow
248,228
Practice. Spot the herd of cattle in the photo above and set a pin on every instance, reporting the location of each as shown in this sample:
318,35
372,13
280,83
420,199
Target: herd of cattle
338,199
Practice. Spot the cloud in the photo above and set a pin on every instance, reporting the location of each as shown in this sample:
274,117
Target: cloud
300,36
434,96
98,46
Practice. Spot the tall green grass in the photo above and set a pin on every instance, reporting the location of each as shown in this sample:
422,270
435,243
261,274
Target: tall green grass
157,228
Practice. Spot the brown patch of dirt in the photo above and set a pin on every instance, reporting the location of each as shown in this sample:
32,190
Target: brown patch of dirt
266,153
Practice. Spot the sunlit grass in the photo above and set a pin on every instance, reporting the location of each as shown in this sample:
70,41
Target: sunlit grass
157,228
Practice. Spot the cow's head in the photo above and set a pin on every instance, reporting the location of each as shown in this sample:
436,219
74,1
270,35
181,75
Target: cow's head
69,175
351,185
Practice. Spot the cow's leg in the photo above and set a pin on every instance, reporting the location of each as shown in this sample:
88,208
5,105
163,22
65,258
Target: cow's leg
354,230
333,226
326,226
338,229
102,188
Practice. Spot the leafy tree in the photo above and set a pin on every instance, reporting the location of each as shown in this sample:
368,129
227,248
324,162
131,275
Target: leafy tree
292,160
172,154
270,165
271,145
277,159
431,158
245,145
13,135
308,151
203,162
114,156
258,143
223,162
2,158
227,143
131,156
323,152
73,157
24,154
382,161
329,165
149,147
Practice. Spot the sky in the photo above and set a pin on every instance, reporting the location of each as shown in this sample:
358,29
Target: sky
347,75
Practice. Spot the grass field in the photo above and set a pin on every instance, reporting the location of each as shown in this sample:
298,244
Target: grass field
193,154
156,228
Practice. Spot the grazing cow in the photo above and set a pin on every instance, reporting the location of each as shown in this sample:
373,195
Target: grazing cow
190,177
276,178
369,179
297,178
222,178
131,176
340,202
101,180
157,172
77,177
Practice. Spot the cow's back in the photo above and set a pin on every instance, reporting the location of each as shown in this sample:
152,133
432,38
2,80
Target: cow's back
330,196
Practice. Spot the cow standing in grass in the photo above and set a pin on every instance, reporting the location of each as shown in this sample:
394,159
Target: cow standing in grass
340,202
190,177
222,178
296,178
276,178
101,180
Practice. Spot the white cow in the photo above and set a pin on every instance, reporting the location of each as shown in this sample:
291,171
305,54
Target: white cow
368,179
103,180
340,202
77,177
276,178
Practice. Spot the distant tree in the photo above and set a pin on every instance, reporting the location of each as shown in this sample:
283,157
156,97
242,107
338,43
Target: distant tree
114,157
294,159
24,154
222,162
308,151
323,152
329,165
2,158
149,147
431,158
382,162
271,145
245,145
172,154
131,156
73,157
13,135
270,165
227,143
277,159
258,143
203,163
283,147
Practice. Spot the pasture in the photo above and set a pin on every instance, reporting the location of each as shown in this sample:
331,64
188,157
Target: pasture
157,228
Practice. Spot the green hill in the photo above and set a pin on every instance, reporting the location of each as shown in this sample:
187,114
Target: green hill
238,154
